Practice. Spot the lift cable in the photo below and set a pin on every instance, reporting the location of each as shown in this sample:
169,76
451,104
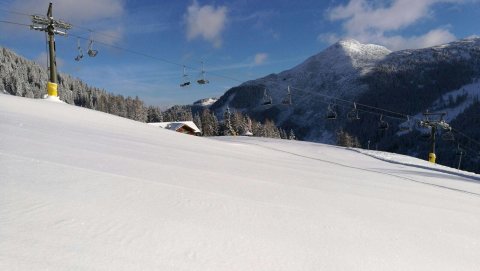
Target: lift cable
15,12
14,23
363,107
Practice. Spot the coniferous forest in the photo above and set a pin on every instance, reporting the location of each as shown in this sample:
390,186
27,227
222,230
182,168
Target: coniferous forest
21,77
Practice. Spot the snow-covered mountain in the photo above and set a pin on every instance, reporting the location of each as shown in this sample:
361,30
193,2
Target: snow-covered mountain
408,81
335,72
207,102
439,79
85,190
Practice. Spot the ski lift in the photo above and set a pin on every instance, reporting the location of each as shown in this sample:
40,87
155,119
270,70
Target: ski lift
288,99
382,125
353,115
406,127
202,80
267,99
426,133
80,52
331,113
91,52
448,136
185,81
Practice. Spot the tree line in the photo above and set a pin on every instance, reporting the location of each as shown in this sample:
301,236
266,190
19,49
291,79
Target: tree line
21,77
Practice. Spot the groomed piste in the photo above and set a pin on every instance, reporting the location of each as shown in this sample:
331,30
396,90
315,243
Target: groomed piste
84,190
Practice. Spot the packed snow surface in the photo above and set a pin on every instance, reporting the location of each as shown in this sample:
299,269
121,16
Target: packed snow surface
83,190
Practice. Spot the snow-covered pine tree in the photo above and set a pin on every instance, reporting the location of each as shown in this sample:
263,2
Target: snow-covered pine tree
291,135
238,123
25,78
227,129
154,114
209,123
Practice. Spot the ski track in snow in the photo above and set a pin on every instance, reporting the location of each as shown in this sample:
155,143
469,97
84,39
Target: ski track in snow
385,173
84,190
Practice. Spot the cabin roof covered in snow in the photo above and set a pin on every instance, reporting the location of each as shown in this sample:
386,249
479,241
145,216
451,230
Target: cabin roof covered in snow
175,125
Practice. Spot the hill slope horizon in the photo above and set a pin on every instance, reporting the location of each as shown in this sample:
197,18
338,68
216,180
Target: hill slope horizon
84,189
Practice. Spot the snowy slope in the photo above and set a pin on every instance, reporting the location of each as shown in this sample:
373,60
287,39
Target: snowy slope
83,190
471,92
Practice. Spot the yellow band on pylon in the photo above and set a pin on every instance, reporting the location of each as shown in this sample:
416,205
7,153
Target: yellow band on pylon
432,157
52,89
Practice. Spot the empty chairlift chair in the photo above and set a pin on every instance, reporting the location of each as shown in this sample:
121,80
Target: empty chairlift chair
288,98
80,52
406,126
448,136
91,52
267,99
185,79
202,80
382,124
426,132
331,112
353,115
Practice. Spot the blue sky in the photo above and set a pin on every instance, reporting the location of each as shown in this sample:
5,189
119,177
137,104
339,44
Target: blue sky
240,39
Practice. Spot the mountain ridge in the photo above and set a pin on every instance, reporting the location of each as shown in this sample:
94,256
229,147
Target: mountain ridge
406,81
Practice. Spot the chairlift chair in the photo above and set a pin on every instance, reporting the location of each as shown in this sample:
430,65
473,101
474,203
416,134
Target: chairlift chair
267,99
80,52
331,113
382,125
353,115
448,136
202,80
288,99
185,81
406,127
91,52
426,132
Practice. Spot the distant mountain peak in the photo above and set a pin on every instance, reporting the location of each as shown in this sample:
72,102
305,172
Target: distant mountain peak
344,57
352,46
473,37
347,42
206,102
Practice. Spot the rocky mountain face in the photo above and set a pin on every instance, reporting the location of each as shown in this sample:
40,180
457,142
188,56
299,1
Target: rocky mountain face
441,78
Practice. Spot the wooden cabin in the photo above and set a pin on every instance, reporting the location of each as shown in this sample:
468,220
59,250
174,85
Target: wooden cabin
184,127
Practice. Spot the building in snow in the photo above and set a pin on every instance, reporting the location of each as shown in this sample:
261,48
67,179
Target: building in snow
185,127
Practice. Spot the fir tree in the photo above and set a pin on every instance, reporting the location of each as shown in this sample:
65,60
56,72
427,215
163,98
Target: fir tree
154,114
209,123
291,135
227,129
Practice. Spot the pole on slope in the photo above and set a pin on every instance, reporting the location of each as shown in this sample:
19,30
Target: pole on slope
432,157
434,125
52,27
460,153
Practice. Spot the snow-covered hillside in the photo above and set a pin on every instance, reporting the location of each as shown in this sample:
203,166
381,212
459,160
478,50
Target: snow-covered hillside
333,71
84,190
336,71
205,102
